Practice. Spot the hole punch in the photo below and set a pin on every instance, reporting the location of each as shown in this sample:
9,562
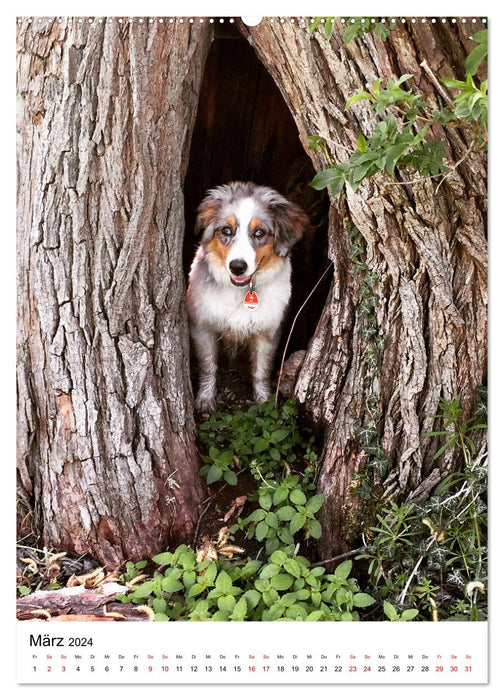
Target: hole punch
251,21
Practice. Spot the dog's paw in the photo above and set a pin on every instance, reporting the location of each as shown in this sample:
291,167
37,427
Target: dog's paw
205,405
261,394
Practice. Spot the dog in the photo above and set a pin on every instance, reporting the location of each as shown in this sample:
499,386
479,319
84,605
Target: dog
239,282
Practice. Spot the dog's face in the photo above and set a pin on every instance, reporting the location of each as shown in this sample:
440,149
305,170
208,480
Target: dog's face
248,230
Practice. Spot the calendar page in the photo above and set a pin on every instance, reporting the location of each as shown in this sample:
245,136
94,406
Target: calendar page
251,349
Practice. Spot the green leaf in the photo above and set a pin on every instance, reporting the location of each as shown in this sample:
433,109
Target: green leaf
315,529
315,24
315,503
409,614
240,609
260,444
269,571
256,516
292,567
403,78
252,597
452,82
297,497
351,32
272,520
331,178
208,575
195,590
275,454
159,605
315,616
187,559
285,513
282,582
363,600
442,449
361,143
381,31
163,559
279,435
296,612
170,584
270,596
390,611
214,474
358,97
479,54
393,155
250,569
224,582
285,535
261,531
297,522
343,570
143,590
161,617
226,603
280,494
278,558
265,500
230,477
315,141
221,616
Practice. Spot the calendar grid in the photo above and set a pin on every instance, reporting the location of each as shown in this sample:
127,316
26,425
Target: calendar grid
253,653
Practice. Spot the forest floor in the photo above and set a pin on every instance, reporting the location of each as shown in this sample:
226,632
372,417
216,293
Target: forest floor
40,569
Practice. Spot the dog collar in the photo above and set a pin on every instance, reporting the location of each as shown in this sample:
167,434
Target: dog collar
251,300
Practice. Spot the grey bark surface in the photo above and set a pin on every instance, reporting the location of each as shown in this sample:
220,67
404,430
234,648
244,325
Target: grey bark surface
106,434
426,244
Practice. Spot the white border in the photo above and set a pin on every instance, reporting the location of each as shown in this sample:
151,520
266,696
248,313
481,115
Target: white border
224,8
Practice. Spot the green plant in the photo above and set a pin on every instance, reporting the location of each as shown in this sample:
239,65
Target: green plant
394,616
355,27
373,469
286,508
264,433
267,441
405,137
285,587
433,555
456,431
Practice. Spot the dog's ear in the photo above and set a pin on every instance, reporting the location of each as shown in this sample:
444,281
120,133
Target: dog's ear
205,218
290,222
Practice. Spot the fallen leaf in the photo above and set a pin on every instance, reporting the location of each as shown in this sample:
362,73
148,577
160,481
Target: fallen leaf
207,552
236,507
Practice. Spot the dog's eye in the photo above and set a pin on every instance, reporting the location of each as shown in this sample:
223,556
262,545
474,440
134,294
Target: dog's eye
227,231
259,233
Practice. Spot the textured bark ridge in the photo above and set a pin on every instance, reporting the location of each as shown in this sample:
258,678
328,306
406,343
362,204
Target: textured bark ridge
426,245
105,425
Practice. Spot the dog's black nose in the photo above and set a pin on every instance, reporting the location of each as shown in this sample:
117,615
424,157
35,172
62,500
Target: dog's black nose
238,267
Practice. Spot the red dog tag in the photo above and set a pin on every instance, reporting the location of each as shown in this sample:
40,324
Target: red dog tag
251,300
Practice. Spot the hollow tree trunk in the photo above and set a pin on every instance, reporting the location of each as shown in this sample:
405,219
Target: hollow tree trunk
106,433
426,246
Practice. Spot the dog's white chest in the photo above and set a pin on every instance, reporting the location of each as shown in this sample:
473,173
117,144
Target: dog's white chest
228,309
225,309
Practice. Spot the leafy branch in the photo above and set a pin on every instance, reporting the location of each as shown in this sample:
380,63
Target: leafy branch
405,137
355,27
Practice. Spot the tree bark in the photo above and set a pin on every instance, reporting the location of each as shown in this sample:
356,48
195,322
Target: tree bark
106,435
426,245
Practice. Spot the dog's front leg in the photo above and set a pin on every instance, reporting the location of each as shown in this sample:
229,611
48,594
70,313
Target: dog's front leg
205,347
263,350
